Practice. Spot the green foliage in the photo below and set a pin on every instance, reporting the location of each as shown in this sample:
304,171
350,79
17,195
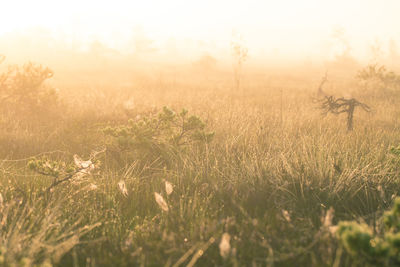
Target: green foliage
160,136
360,241
61,171
49,167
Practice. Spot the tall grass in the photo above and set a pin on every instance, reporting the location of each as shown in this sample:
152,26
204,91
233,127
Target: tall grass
272,172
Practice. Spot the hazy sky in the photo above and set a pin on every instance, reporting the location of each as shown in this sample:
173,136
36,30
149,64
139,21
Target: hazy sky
269,27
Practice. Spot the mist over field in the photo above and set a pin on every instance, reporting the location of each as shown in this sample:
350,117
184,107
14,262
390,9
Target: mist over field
199,133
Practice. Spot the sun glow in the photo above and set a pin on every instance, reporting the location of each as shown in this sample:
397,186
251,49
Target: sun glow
275,27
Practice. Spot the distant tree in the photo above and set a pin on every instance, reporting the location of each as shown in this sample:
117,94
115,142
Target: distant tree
240,54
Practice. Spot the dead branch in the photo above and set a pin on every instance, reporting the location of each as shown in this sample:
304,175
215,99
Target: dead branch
330,104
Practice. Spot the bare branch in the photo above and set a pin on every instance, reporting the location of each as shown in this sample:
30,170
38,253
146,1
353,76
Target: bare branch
330,104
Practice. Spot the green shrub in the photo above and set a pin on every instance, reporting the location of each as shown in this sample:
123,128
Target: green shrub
62,172
382,248
158,137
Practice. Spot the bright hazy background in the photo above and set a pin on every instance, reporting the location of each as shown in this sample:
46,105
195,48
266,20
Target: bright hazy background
274,31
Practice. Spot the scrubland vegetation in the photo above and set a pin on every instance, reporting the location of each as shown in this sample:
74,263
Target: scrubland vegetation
198,168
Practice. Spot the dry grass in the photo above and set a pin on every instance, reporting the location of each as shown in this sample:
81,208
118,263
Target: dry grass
272,172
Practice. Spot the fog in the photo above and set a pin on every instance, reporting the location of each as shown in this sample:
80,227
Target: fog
71,36
199,133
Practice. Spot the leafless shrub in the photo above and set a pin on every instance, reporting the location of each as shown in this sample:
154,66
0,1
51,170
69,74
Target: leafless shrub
330,104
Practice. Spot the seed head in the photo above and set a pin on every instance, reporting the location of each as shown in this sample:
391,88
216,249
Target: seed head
122,188
327,220
225,246
161,202
86,165
169,188
286,215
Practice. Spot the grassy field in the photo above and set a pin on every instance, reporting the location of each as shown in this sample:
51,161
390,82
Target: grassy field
261,193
